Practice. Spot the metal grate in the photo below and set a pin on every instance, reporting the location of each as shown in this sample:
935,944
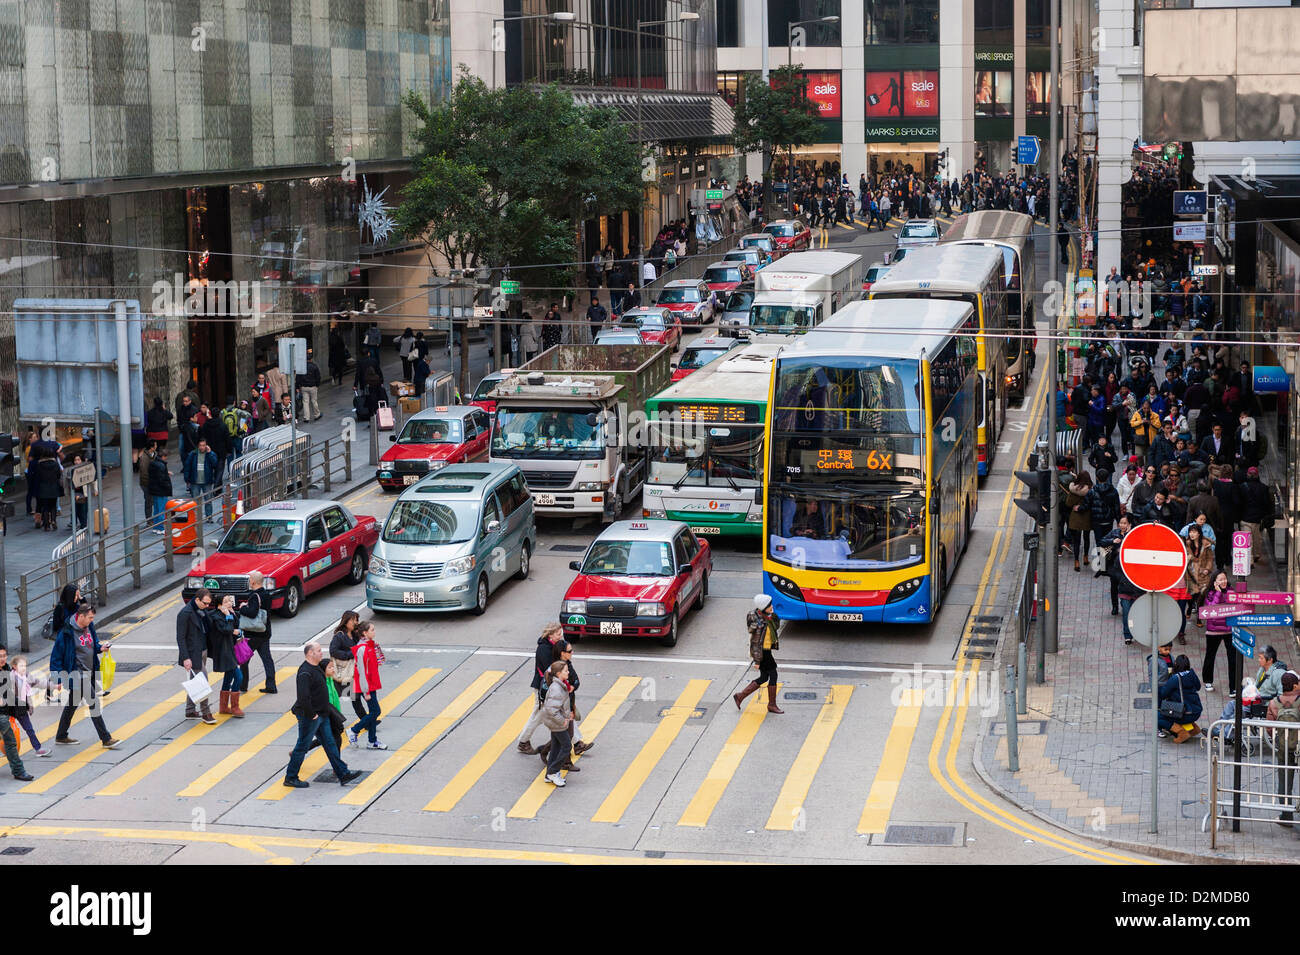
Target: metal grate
979,654
798,695
919,836
982,641
569,548
131,667
16,850
327,776
1142,703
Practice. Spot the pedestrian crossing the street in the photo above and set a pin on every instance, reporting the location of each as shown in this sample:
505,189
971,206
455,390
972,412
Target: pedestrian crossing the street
671,748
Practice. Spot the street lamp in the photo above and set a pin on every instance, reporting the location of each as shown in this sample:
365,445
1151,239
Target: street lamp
558,16
789,61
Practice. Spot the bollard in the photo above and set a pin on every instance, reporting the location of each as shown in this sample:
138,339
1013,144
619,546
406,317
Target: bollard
199,524
169,553
24,617
347,460
1013,739
325,464
135,556
1022,680
102,571
374,443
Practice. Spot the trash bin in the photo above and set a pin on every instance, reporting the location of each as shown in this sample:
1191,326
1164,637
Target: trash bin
184,515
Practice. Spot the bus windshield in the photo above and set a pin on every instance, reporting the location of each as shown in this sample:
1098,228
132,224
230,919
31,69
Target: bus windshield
683,453
846,527
782,318
849,393
547,432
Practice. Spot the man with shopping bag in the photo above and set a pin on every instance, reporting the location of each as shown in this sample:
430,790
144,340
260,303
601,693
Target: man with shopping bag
75,661
192,647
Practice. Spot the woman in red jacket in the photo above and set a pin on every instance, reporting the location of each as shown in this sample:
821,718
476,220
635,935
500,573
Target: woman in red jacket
365,684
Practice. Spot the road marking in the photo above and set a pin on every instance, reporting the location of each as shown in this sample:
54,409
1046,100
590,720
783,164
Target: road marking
137,681
93,751
240,756
889,774
530,803
634,777
487,755
844,225
724,767
150,614
415,747
173,749
316,759
789,804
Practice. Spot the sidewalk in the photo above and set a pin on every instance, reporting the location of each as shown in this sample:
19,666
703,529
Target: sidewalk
28,549
1085,742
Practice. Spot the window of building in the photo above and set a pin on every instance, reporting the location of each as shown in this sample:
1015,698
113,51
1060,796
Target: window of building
730,87
729,23
782,13
1038,22
994,22
901,21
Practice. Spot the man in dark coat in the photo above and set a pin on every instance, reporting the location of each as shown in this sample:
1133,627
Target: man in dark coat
258,640
160,487
542,659
192,647
312,710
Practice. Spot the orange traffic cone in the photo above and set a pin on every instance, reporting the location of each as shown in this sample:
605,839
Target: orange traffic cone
239,506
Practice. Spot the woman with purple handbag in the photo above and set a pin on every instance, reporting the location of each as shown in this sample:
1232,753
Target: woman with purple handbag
225,643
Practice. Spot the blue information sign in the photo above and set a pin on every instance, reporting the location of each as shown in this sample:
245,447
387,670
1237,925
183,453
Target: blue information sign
1028,149
1270,379
1263,620
1243,640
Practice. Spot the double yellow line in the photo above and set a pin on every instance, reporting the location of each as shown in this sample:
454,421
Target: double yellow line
957,700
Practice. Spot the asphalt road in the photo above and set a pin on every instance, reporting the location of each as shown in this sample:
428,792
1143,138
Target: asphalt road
871,761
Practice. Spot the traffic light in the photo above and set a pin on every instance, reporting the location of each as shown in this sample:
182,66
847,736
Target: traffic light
1040,494
12,485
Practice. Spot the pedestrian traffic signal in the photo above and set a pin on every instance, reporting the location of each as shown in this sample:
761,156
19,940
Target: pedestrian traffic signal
12,485
1040,494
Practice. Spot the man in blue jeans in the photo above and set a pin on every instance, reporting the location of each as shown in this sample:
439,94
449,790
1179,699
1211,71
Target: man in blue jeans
311,708
200,471
159,488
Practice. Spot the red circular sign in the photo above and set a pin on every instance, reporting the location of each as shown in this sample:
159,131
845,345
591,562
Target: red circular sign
1153,557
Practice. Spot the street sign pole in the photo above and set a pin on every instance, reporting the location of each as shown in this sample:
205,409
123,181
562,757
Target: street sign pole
1155,726
99,477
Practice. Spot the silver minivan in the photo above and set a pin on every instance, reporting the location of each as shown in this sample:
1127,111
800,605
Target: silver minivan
452,539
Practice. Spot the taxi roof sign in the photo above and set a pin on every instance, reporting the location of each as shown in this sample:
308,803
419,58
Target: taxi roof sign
282,506
639,526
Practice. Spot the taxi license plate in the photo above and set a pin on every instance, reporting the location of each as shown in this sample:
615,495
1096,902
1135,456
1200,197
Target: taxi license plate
410,478
545,499
708,530
412,597
845,617
611,626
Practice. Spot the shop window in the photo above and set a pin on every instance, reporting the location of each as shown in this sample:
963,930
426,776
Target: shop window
901,21
782,13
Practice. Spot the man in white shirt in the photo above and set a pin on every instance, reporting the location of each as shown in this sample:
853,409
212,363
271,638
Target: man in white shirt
648,274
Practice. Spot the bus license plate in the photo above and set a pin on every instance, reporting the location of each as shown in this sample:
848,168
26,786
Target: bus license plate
845,617
412,597
708,530
611,626
409,479
545,499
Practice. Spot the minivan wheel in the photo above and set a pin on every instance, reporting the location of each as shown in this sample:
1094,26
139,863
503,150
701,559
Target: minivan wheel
480,596
523,562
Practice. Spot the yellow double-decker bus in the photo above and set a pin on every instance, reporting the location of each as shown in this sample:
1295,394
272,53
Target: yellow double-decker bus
870,482
971,274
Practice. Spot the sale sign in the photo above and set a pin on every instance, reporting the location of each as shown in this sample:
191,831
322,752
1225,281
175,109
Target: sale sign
824,90
902,94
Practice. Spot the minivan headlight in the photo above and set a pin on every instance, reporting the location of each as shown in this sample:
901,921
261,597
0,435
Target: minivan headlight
378,567
460,565
649,609
574,606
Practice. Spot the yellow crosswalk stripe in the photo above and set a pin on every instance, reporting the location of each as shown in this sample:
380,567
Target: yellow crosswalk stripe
240,756
93,750
173,749
724,767
530,803
121,691
844,225
488,753
889,774
625,790
414,748
789,804
316,759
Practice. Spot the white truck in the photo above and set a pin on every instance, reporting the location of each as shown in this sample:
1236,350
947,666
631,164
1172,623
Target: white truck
802,289
573,420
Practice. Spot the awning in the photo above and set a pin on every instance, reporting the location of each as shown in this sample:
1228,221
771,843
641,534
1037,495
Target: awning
665,115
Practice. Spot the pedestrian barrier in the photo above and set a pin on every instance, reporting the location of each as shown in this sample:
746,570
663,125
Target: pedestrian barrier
103,564
1258,786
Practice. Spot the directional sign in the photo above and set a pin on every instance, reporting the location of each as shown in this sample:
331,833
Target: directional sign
1223,611
1262,620
1270,597
1244,641
1168,618
1241,553
509,287
1028,149
1153,558
83,474
1189,202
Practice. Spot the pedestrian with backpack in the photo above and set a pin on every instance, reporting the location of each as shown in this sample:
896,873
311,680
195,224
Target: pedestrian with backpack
1285,708
764,629
374,338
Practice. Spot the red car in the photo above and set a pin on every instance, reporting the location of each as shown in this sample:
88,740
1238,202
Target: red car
722,277
490,381
299,546
638,579
689,299
790,235
658,326
432,439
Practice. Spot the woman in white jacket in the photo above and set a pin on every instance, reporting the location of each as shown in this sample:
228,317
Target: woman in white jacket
557,714
1129,480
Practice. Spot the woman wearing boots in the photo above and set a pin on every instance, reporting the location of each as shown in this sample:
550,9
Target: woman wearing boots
763,625
222,634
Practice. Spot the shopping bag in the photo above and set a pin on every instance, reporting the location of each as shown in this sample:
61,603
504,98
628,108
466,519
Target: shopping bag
107,669
197,687
18,738
243,652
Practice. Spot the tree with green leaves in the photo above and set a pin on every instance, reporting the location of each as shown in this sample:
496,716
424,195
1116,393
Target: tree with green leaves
775,116
504,176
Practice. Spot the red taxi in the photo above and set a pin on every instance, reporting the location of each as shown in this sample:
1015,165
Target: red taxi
722,277
299,547
658,326
689,299
790,235
432,439
638,579
480,398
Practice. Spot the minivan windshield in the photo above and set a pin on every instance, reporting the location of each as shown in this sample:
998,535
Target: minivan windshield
431,522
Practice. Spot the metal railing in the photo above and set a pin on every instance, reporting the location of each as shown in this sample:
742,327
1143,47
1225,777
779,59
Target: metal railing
113,562
1258,786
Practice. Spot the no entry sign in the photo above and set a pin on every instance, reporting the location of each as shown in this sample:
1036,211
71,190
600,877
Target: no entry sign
1153,558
